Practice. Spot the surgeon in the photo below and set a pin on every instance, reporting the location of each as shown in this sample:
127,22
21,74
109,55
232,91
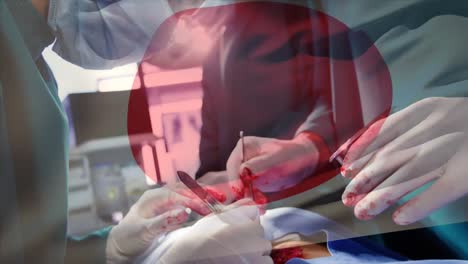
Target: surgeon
423,141
276,80
33,130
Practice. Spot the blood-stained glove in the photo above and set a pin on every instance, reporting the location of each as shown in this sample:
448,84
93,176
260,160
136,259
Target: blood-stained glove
225,188
274,164
426,142
158,211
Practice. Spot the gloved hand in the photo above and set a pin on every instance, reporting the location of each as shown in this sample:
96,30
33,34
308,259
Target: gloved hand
274,164
427,141
155,213
232,237
226,189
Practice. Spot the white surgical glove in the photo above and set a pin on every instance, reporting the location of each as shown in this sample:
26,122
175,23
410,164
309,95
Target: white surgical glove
426,142
155,213
232,237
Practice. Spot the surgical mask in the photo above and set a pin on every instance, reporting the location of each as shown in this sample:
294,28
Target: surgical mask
100,34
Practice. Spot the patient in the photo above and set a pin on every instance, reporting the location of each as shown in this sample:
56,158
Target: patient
298,237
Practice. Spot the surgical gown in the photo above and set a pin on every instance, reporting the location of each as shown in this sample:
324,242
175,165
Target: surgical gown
33,149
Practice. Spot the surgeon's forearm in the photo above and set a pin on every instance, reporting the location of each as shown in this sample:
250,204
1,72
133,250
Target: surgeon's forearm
42,6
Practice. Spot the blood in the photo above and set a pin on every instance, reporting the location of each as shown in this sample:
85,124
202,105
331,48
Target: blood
238,193
177,219
281,256
364,215
247,176
260,198
343,171
353,198
221,197
358,188
349,199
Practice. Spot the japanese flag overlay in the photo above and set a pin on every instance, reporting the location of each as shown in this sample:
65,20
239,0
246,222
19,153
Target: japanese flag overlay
272,70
